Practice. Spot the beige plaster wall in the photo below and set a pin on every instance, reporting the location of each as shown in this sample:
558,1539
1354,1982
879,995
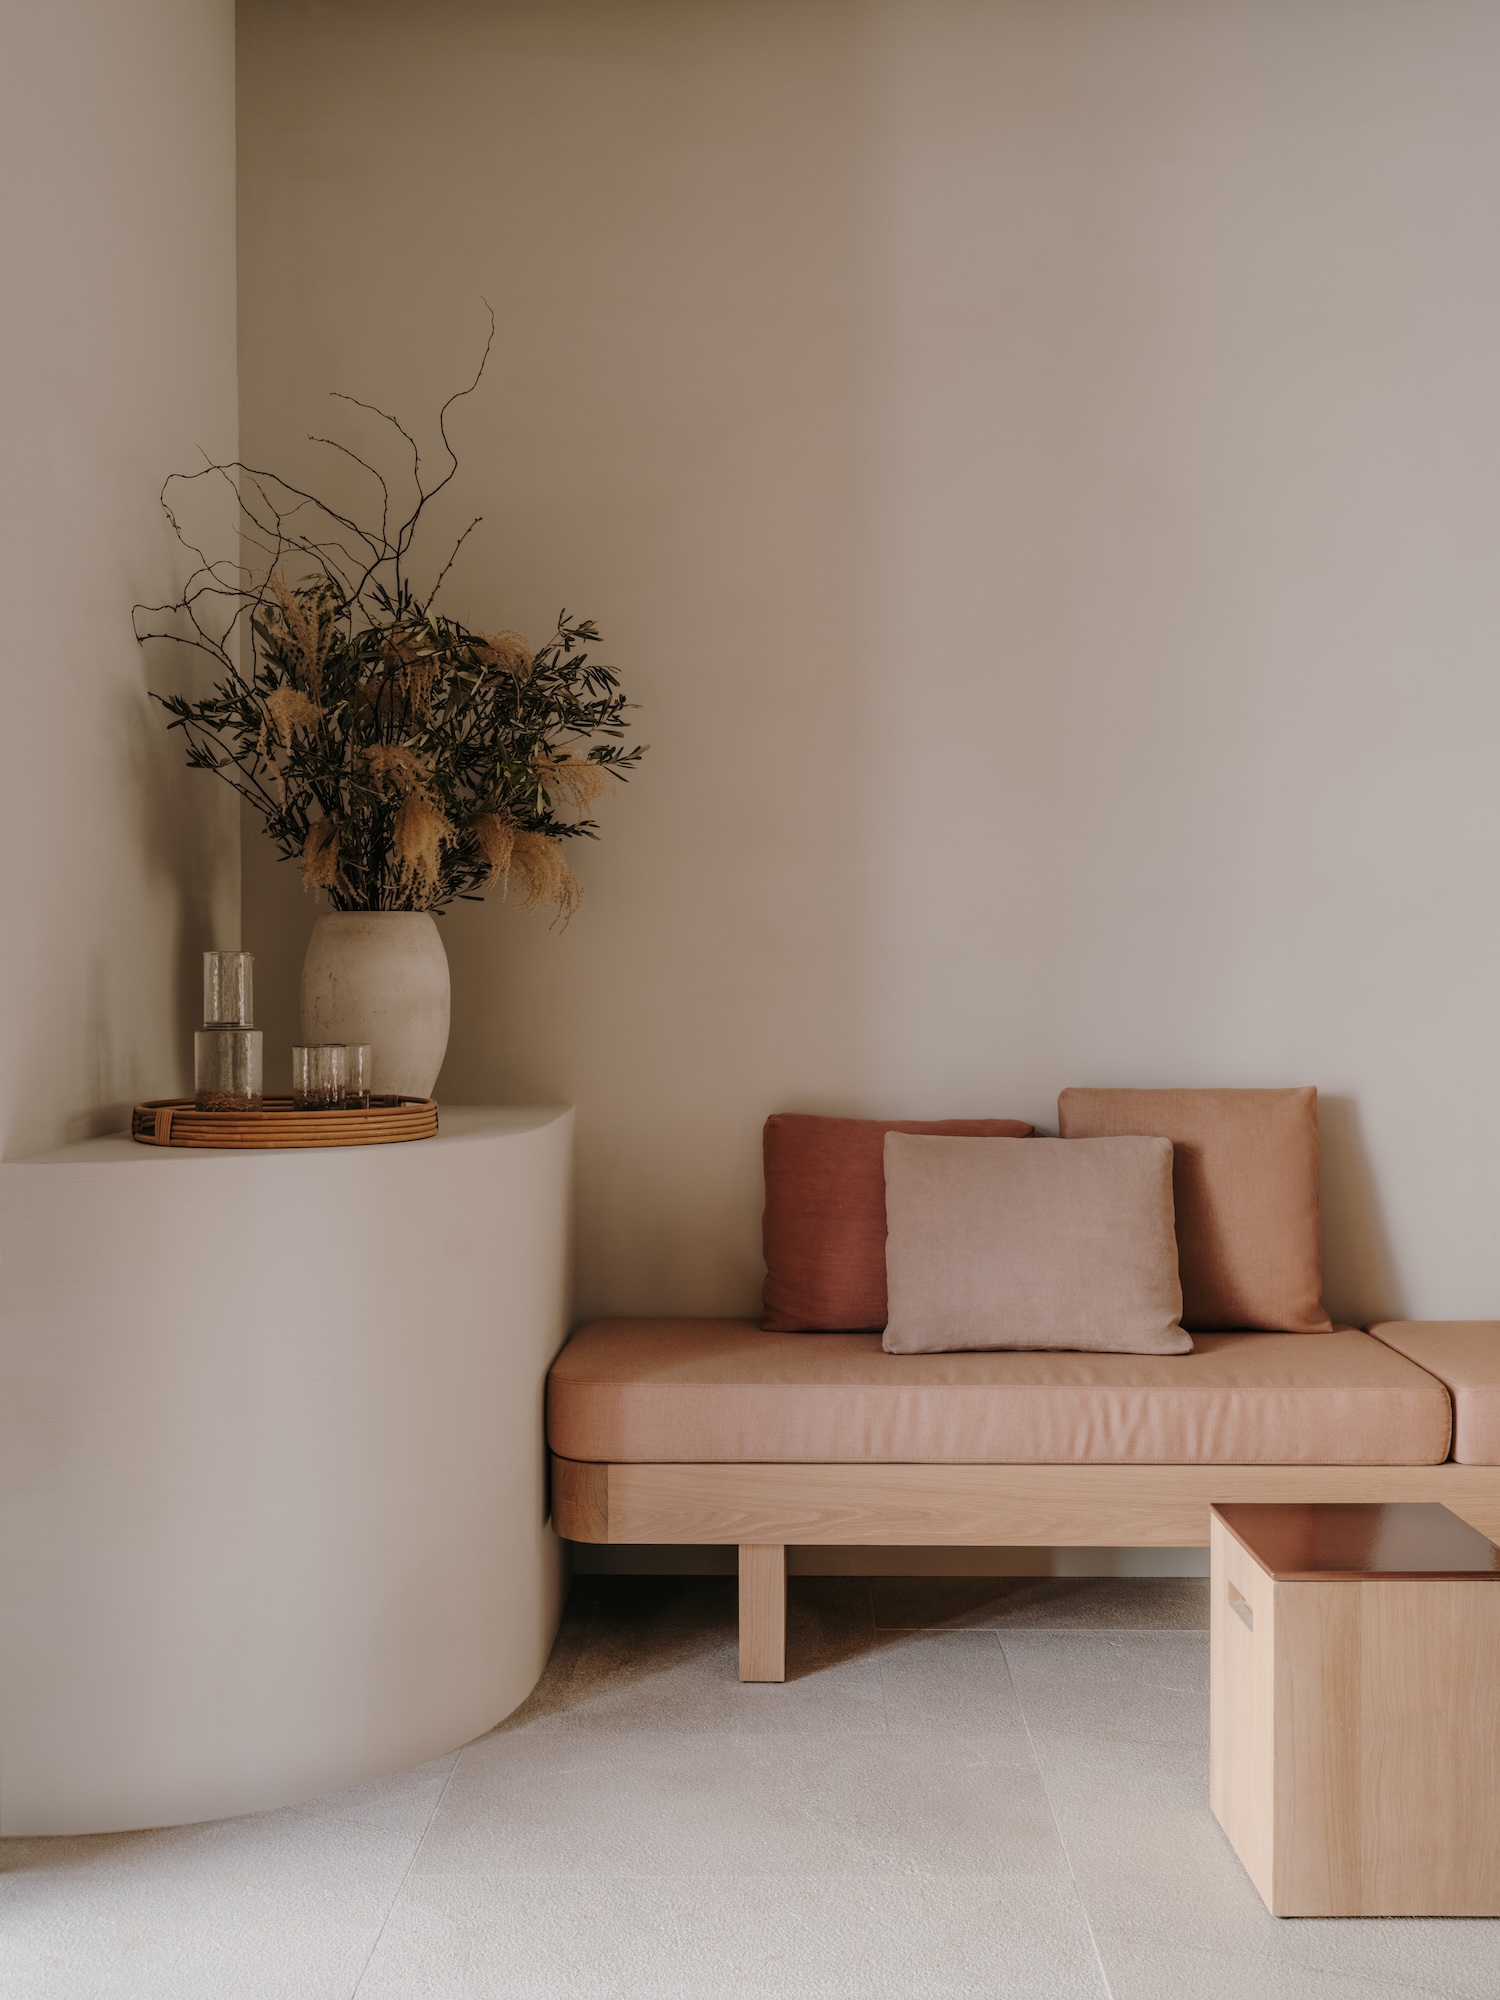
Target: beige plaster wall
117,365
1037,464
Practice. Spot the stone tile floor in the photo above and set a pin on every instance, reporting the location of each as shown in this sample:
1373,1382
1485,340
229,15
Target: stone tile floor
967,1787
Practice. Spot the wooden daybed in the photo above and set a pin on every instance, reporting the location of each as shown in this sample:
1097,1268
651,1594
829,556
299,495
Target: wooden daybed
714,1431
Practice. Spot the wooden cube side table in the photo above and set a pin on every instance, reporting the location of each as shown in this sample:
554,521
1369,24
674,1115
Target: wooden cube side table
1355,1735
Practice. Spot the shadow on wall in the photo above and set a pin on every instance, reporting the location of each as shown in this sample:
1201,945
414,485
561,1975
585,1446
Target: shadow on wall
187,828
124,989
1359,1274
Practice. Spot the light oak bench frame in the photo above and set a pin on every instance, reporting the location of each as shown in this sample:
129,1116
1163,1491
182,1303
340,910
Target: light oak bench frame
765,1509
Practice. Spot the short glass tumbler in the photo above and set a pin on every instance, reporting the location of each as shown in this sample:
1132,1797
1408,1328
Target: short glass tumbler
319,1074
227,1069
359,1063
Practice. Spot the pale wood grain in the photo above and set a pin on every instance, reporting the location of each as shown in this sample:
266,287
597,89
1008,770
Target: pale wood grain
1430,1762
1240,1715
993,1505
580,1500
1355,1754
1312,1666
762,1611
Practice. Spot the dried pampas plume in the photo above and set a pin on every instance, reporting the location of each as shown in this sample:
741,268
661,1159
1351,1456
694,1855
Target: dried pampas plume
308,623
288,708
533,861
394,771
572,779
420,831
495,841
416,671
537,865
416,682
320,856
507,653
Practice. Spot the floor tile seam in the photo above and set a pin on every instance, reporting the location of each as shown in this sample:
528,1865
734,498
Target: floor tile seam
1083,1908
407,1875
301,1821
731,1731
834,1988
1062,1742
875,1654
818,1733
1059,1744
1283,1943
734,1730
1041,1733
1198,1742
879,1875
737,1733
1138,1933
1199,1634
817,1730
1084,1812
887,1987
1064,1631
814,1727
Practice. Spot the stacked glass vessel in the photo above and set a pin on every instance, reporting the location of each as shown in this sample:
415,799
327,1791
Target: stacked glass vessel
227,1048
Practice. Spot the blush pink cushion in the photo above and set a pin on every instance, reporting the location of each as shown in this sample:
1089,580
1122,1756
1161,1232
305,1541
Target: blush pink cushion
1464,1354
1245,1180
695,1391
1031,1243
824,1227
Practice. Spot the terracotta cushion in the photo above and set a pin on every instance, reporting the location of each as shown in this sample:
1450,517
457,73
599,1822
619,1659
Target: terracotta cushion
1060,1243
1464,1354
1245,1180
824,1228
725,1391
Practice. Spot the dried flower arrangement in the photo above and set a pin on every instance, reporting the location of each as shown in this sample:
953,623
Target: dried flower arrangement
401,758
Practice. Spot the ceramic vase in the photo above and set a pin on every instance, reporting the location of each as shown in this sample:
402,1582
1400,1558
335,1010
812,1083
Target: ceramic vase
381,977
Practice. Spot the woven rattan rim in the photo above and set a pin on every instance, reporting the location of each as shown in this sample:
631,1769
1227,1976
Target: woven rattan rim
177,1121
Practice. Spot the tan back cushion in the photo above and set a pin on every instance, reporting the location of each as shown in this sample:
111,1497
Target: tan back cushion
1245,1179
1030,1243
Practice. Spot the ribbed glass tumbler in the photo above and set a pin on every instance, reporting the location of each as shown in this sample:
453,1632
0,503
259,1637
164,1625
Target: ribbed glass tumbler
227,1069
228,989
320,1072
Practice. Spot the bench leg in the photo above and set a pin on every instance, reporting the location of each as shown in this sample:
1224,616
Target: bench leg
762,1611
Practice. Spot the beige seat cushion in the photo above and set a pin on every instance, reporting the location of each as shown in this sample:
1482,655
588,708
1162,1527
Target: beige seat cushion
1464,1354
721,1391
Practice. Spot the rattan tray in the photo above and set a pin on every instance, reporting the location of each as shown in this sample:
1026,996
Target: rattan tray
176,1121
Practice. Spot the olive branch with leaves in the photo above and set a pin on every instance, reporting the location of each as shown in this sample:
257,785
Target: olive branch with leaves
400,758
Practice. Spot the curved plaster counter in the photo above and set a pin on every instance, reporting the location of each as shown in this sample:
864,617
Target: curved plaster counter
272,1483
